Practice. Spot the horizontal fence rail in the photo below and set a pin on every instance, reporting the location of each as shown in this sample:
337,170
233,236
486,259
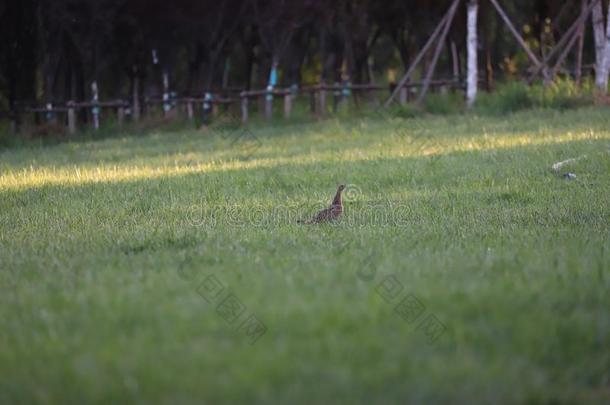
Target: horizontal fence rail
209,105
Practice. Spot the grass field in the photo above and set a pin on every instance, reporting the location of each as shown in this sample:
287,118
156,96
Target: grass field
169,268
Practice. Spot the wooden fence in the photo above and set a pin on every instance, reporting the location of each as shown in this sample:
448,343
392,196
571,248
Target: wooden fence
209,106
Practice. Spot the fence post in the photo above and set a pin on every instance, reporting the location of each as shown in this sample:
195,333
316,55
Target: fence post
189,109
269,103
287,105
71,118
403,95
312,100
346,92
120,116
50,116
135,108
336,96
13,116
207,108
372,97
322,97
166,97
95,110
244,109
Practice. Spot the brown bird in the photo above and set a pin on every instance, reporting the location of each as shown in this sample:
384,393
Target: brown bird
331,213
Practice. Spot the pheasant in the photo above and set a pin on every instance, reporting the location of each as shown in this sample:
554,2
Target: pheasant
331,213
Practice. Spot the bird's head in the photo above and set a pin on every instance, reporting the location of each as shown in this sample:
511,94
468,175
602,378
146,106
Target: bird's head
341,187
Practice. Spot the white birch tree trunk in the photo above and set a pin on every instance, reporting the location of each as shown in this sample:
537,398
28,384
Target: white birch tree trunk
603,72
597,18
471,41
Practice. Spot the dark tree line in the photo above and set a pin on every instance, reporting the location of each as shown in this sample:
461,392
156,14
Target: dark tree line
52,50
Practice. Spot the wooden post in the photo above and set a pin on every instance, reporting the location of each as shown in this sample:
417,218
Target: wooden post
567,36
120,116
268,110
336,97
95,111
455,62
403,95
189,110
564,54
14,118
207,108
71,118
322,101
345,93
312,100
371,97
244,109
50,115
519,39
287,105
260,101
166,102
135,108
437,52
418,58
215,109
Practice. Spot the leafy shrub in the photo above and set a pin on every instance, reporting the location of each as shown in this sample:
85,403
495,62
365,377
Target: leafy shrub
444,104
561,94
510,97
406,111
514,96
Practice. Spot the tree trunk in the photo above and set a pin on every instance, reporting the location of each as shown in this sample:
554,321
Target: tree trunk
603,79
581,43
472,75
599,36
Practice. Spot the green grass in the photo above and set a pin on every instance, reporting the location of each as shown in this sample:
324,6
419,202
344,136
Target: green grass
104,244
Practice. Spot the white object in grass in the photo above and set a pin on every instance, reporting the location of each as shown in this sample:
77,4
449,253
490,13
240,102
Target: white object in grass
557,166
